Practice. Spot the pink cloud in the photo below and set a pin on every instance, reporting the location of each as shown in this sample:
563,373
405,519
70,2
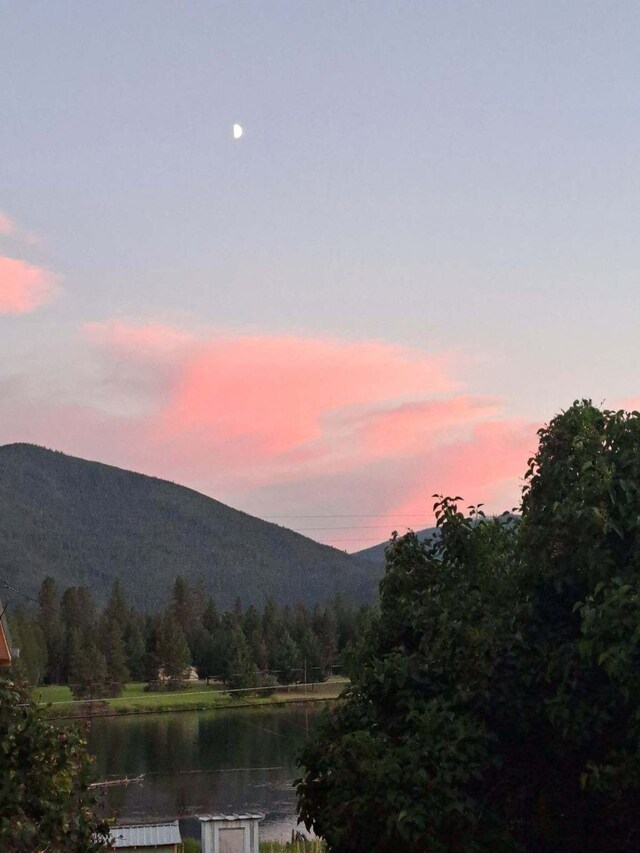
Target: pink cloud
311,423
414,427
266,395
485,468
24,287
6,225
148,341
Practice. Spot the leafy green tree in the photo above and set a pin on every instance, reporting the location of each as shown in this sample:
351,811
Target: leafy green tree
45,803
495,697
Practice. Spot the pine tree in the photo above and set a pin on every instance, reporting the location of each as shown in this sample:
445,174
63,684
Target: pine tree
117,608
112,646
27,635
87,666
135,647
286,659
241,671
210,617
52,629
172,649
182,606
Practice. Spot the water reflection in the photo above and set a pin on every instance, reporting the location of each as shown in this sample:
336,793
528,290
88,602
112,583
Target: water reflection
202,762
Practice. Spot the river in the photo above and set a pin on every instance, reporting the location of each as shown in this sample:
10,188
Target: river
204,762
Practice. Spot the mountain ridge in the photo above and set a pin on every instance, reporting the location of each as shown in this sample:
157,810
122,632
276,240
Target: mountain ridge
85,522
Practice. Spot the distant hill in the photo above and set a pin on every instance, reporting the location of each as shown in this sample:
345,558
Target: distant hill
86,523
375,554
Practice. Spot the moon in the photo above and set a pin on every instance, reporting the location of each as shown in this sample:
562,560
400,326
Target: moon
237,131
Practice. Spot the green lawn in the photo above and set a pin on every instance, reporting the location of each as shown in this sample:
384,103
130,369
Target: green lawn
192,846
199,696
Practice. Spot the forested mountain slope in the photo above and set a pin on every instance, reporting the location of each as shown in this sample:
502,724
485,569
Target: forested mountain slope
87,523
375,553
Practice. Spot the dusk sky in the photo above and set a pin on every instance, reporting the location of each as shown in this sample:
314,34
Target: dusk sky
424,245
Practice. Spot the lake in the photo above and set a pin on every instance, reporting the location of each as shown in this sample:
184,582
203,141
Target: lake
204,762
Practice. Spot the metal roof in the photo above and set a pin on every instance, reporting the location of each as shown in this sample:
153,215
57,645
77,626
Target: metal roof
149,835
245,816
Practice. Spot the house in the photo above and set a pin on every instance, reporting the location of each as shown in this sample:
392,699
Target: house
5,640
161,837
189,673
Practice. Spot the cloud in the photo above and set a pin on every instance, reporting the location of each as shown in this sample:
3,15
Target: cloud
283,423
24,287
7,227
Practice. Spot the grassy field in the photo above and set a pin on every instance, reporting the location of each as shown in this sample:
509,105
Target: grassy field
191,846
195,697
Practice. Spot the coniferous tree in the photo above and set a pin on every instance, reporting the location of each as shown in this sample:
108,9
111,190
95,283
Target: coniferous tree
27,636
324,627
182,606
172,649
210,618
255,638
241,671
286,659
50,623
203,651
271,628
135,647
87,666
117,608
311,657
112,647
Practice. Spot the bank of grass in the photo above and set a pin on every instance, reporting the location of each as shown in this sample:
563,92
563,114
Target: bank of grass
191,845
193,697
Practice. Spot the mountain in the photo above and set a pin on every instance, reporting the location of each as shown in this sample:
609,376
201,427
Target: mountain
375,553
87,523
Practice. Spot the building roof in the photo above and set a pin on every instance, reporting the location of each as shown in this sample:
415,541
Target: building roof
245,816
149,835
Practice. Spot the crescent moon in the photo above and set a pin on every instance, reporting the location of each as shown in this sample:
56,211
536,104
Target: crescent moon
237,131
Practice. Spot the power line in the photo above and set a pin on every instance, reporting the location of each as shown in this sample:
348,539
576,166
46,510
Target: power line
380,526
336,515
18,591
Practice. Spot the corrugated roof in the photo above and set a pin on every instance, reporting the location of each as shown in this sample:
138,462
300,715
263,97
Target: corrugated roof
149,835
245,816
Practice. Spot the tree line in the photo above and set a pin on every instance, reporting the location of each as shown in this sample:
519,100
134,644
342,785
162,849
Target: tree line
68,639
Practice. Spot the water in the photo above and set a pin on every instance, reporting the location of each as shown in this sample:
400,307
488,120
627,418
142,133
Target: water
204,762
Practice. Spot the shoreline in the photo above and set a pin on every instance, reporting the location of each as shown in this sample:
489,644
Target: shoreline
135,702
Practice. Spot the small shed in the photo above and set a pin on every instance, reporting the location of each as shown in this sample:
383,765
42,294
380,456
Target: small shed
162,837
230,833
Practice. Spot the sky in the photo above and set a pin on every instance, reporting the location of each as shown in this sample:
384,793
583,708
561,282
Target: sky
423,247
